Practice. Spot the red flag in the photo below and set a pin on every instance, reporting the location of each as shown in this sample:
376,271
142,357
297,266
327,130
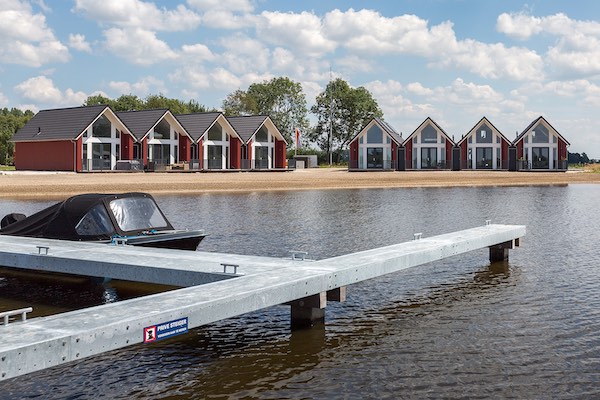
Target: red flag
297,138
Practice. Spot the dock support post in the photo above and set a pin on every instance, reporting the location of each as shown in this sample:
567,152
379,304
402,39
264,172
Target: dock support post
308,311
499,252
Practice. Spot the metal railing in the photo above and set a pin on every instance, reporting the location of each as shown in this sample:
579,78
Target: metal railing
385,165
157,165
95,164
561,164
257,164
261,164
438,165
195,164
214,164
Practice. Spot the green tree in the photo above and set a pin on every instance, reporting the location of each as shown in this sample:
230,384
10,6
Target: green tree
280,98
130,102
239,103
342,111
10,122
97,100
127,102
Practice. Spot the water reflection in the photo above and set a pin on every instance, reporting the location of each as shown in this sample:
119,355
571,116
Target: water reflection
455,328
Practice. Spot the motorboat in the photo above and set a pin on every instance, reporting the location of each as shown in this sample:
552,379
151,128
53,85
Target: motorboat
127,218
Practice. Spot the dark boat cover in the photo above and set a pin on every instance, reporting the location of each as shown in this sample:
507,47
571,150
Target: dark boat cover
92,217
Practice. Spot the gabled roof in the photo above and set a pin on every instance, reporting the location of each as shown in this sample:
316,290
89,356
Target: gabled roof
535,122
487,121
422,125
387,128
59,124
390,130
198,123
247,126
141,122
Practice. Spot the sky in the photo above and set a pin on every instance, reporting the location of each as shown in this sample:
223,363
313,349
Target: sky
452,60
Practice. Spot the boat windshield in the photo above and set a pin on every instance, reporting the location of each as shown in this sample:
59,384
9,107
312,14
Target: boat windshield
95,222
137,213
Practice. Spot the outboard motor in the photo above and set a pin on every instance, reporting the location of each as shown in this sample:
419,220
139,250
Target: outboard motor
11,219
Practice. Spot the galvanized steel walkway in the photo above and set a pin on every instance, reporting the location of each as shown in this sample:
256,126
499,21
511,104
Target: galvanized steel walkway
213,292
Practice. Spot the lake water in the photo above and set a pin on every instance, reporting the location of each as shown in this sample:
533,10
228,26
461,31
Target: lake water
529,328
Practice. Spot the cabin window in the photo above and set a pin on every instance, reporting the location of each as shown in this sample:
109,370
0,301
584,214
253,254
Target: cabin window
540,134
95,222
497,139
215,133
101,127
484,134
137,213
262,135
374,135
554,139
388,140
360,140
429,134
162,130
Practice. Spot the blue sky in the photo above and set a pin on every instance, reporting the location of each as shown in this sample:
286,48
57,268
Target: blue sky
454,61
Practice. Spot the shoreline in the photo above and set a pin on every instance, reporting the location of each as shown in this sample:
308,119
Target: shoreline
56,185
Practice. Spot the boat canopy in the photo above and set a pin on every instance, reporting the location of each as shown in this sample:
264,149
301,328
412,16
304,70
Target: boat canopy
93,217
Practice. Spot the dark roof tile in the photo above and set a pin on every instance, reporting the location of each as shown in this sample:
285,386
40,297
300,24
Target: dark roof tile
58,124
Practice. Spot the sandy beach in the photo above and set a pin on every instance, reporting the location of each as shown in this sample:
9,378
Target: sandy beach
59,185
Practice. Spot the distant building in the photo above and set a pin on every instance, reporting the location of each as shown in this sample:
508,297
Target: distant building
61,139
428,147
375,147
216,145
484,147
95,138
541,147
263,145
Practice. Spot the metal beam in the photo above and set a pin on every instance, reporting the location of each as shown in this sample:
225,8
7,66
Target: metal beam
260,282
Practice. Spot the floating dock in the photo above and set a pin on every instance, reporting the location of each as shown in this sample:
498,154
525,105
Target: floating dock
216,286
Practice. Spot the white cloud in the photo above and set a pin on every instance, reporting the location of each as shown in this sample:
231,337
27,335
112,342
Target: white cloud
368,32
302,32
389,97
138,46
461,92
197,53
26,39
418,89
243,6
224,79
143,87
225,14
244,54
138,14
519,26
495,61
42,90
354,63
195,77
78,42
3,100
576,52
